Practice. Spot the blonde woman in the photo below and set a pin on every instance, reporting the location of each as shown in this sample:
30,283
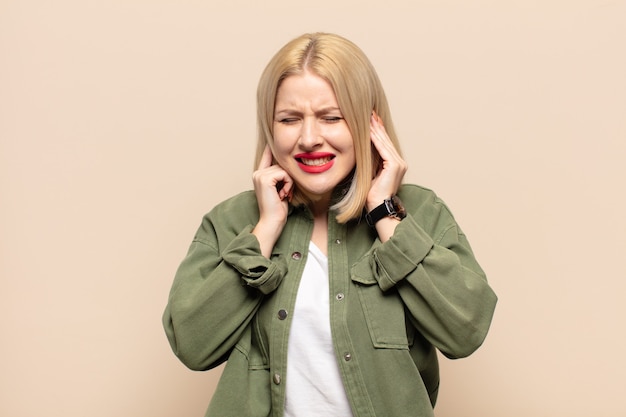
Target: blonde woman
330,287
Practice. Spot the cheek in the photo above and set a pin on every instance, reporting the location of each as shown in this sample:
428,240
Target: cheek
346,143
280,138
350,151
282,147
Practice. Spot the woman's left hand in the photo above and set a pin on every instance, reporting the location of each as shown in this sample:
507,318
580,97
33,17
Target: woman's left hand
393,167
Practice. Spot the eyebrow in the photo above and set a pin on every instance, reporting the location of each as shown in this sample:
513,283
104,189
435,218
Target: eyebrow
323,110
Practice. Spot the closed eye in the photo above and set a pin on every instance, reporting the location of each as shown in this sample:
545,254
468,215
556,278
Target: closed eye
288,120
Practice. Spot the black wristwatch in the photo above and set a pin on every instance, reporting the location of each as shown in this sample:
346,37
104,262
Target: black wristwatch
391,207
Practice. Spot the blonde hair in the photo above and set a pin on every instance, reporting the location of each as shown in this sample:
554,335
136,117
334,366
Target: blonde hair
359,92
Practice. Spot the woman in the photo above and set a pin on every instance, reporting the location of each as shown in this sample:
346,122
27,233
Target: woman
329,288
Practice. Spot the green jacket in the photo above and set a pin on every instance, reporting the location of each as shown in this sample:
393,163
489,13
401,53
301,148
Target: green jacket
392,306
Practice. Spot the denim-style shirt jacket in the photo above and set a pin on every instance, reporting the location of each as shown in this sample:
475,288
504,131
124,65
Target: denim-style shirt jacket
392,306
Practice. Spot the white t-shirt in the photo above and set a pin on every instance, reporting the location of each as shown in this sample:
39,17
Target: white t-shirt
314,386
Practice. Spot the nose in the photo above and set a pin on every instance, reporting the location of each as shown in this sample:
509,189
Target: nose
310,134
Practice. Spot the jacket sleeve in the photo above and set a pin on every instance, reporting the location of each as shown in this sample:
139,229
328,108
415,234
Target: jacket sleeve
215,294
439,280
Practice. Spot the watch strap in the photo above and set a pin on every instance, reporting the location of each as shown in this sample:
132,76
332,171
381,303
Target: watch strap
384,210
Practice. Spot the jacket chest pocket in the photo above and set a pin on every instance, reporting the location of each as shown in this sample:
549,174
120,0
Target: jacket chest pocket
384,311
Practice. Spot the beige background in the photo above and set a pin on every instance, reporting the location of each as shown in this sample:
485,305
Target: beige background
123,121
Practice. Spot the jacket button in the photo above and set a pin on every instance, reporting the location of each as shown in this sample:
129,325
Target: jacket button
340,296
347,357
276,379
338,241
296,256
282,314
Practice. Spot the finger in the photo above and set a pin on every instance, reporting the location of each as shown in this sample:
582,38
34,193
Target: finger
287,187
380,139
377,118
385,147
266,158
273,178
377,129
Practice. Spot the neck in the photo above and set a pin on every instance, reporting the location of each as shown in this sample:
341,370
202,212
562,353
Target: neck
320,228
319,207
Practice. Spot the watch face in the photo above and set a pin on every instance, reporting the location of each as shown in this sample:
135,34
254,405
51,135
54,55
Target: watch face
398,207
391,207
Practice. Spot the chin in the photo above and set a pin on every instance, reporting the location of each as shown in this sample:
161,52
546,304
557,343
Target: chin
316,194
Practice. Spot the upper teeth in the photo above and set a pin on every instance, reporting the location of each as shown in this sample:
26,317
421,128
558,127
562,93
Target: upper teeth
316,162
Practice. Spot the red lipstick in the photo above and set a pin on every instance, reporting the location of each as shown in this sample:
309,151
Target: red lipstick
315,162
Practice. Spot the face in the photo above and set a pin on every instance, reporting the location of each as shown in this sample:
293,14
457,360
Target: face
312,141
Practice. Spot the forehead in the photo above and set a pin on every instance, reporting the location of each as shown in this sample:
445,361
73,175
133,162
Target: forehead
305,89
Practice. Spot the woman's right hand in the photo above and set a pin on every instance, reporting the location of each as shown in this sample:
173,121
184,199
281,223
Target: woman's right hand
273,188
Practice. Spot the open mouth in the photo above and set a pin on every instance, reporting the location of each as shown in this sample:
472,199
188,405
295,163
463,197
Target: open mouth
316,162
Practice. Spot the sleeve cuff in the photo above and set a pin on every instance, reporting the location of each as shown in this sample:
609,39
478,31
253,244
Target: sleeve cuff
243,253
401,254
